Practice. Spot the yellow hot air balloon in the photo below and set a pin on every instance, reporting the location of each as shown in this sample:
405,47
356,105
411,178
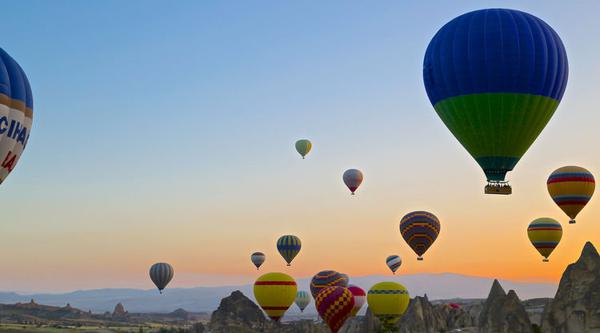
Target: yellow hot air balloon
303,147
275,293
388,301
571,187
545,234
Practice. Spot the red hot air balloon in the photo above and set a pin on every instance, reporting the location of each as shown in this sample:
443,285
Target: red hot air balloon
335,305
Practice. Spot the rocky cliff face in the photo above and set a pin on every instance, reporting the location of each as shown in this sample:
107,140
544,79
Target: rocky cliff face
503,313
237,313
421,316
576,306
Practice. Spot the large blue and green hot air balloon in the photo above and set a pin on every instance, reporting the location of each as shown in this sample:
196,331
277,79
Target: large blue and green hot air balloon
495,77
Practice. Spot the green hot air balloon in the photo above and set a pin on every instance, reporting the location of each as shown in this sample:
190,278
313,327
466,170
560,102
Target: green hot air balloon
303,147
495,78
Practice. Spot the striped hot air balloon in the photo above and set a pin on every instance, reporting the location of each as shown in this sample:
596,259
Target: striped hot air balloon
289,247
326,279
161,274
571,188
257,258
359,298
302,299
335,305
495,78
419,230
16,113
545,234
393,262
388,301
275,293
303,147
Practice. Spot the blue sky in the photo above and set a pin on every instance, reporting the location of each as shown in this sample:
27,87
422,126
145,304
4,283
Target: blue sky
175,121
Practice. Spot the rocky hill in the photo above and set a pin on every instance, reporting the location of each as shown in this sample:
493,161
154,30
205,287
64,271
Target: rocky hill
576,306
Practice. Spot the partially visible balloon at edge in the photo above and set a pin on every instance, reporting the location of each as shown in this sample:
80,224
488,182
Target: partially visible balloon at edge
16,109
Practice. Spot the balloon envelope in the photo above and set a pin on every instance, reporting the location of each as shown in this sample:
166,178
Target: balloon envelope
393,262
275,292
545,234
16,113
571,188
258,258
303,147
495,78
360,298
161,274
334,305
302,299
420,229
352,178
326,279
289,247
388,301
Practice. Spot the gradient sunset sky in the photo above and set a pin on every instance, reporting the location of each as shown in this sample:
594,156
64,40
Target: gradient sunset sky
164,131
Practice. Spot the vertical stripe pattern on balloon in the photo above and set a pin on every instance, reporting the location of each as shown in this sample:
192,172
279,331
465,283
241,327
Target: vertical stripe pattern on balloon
289,246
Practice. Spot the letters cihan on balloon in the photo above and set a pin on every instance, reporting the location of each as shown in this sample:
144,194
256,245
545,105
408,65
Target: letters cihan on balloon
16,113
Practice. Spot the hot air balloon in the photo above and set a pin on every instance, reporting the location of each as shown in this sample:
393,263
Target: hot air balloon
289,247
16,113
303,147
571,187
545,234
419,230
388,302
302,299
258,258
359,298
275,292
334,305
326,279
161,274
495,78
393,262
352,178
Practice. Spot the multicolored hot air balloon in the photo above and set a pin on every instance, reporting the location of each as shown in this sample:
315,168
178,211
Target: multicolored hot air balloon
302,299
495,78
334,305
571,187
326,279
161,274
545,234
393,262
258,258
419,230
388,301
289,247
303,147
352,178
275,292
359,298
16,113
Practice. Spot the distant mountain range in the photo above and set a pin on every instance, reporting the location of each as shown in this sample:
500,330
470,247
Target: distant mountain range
206,299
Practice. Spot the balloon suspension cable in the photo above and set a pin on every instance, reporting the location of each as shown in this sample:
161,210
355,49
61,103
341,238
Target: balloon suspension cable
572,221
545,260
